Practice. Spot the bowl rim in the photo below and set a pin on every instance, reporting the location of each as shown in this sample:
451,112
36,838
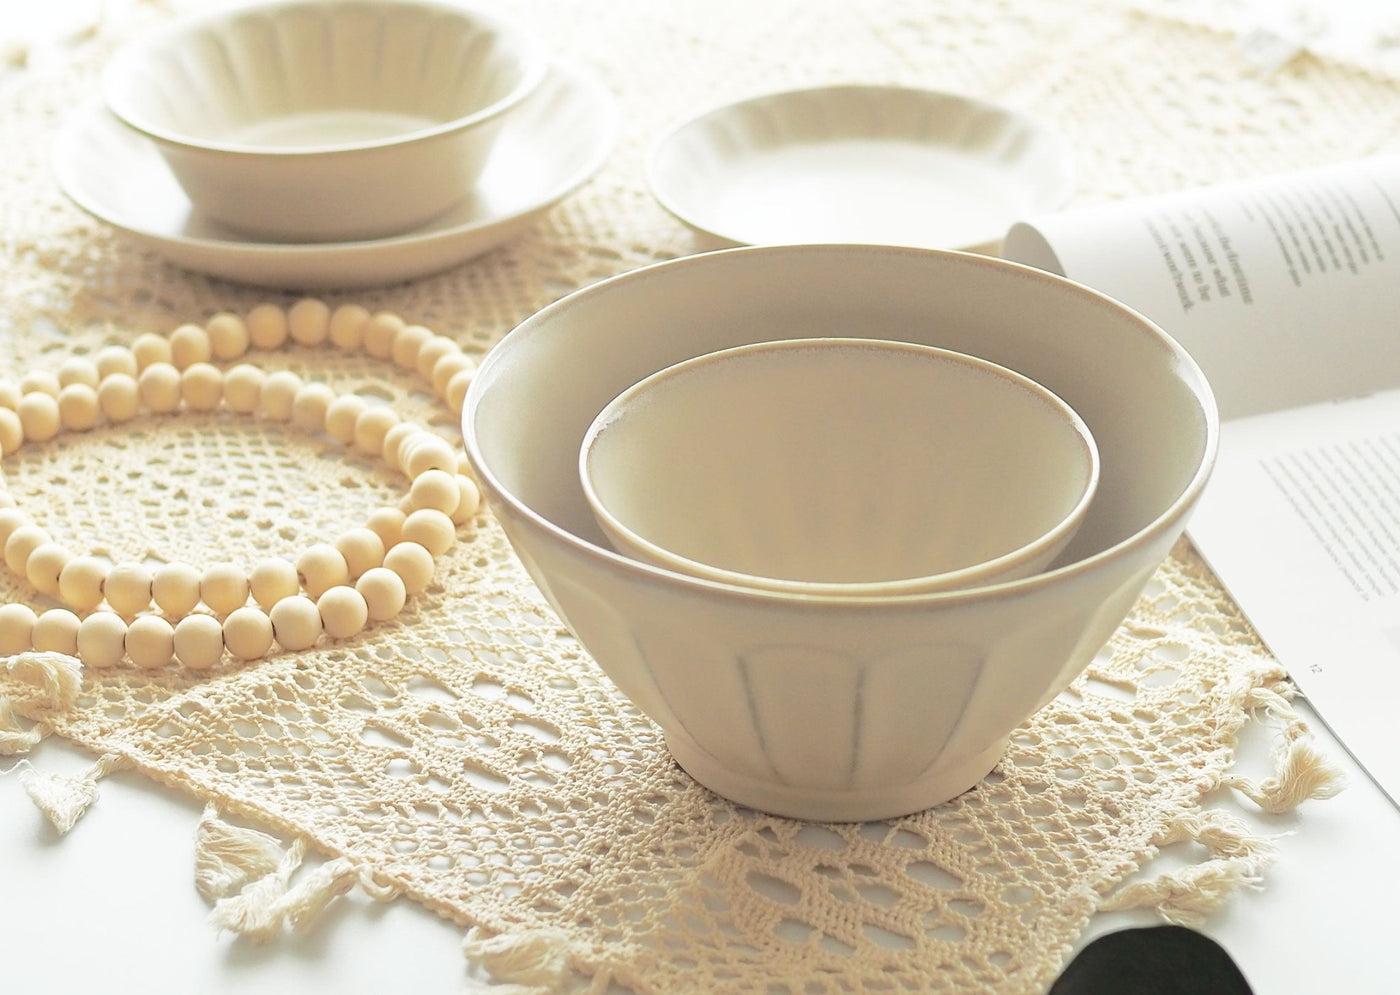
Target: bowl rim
973,573
536,65
636,570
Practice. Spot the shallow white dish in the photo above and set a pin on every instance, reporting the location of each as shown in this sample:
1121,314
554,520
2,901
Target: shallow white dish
860,164
548,148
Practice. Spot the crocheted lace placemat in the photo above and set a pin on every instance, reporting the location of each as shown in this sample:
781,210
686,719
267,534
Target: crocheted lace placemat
468,755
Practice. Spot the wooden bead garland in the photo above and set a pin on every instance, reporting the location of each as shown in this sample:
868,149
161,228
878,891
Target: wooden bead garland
332,589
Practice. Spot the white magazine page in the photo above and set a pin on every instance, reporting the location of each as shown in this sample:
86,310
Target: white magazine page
1286,290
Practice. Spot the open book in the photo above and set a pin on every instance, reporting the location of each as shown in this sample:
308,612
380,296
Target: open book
1287,291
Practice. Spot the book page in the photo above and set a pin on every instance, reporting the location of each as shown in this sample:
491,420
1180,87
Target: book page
1286,290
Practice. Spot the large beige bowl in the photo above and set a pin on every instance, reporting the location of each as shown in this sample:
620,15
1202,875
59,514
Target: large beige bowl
840,466
320,120
840,708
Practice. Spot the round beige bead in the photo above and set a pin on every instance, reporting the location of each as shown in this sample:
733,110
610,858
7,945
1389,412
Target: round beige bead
341,416
384,593
45,565
309,321
414,565
267,327
9,393
11,519
449,366
39,416
160,388
434,489
434,351
343,612
394,439
199,641
11,432
387,523
310,405
78,409
272,580
347,327
78,370
16,629
189,344
150,642
362,548
243,387
279,392
128,588
248,633
115,359
102,639
119,397
150,349
431,529
407,343
56,631
175,589
432,453
224,588
40,382
228,336
372,426
380,332
80,582
296,623
202,386
21,544
468,500
322,567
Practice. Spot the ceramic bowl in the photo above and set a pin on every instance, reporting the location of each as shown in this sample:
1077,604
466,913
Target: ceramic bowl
322,120
840,466
840,708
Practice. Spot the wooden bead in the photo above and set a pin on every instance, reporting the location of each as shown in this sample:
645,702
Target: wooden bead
372,426
39,416
78,409
248,633
394,439
11,519
432,453
128,588
80,582
56,631
296,623
414,565
437,348
310,405
199,641
224,588
383,591
387,523
468,500
202,386
22,542
343,612
11,432
362,548
272,580
44,566
150,349
243,387
16,629
431,529
102,640
347,327
150,642
279,392
407,343
435,489
309,321
159,384
175,589
448,367
267,327
77,370
114,359
341,416
380,332
228,336
40,382
322,567
119,397
189,344
9,393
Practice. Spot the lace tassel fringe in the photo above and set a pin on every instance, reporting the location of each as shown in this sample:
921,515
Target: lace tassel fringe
532,962
59,680
65,798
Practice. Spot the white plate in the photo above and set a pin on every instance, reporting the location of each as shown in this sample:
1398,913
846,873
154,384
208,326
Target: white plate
867,164
548,148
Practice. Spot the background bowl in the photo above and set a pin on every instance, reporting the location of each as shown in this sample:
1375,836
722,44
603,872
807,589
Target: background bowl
318,120
840,466
840,708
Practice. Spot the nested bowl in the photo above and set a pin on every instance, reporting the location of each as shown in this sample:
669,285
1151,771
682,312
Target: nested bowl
319,120
840,466
840,708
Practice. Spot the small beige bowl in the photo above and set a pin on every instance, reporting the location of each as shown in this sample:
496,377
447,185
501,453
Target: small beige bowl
326,120
840,466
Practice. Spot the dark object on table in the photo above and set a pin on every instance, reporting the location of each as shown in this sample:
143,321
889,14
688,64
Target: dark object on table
1154,960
